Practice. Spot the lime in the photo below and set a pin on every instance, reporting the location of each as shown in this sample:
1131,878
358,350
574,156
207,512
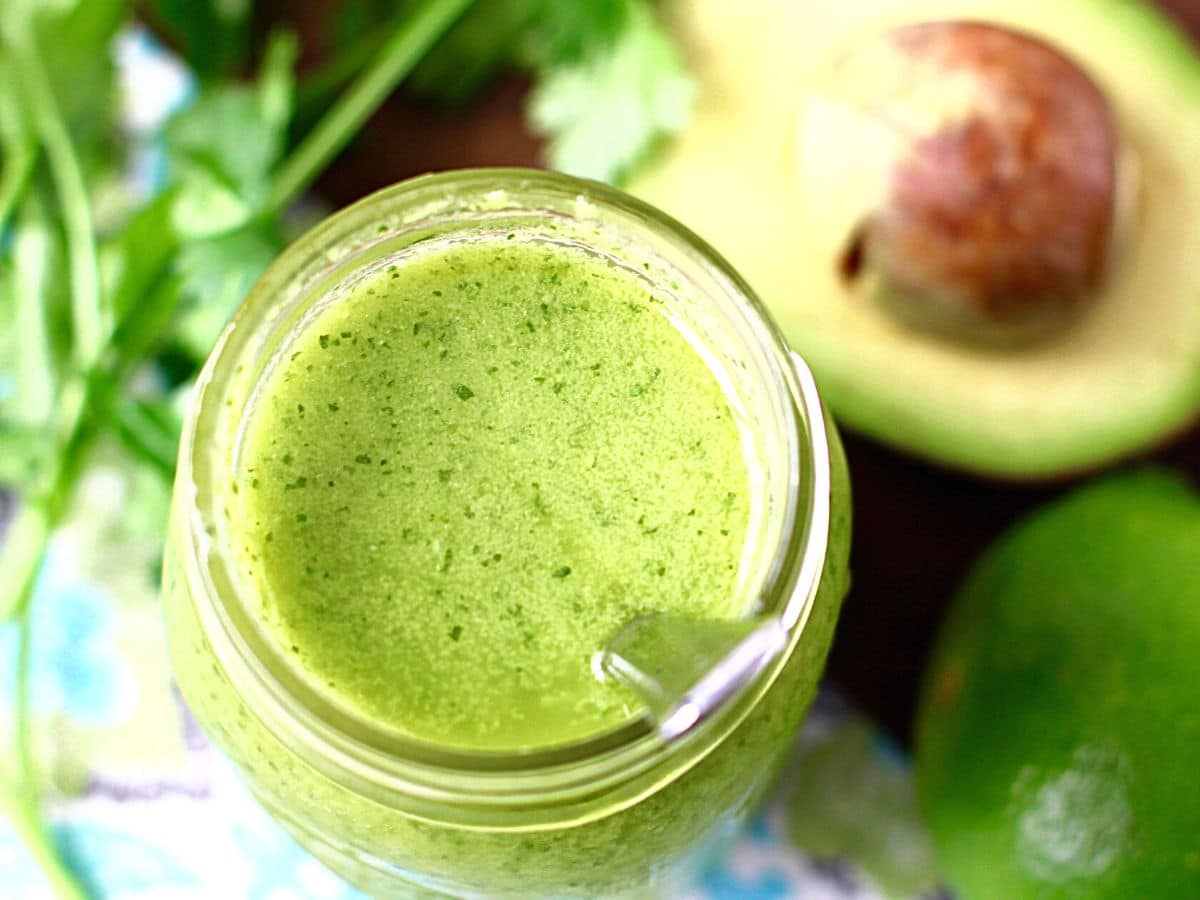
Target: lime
1058,735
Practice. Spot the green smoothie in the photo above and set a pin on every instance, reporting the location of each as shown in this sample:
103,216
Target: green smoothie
429,471
467,471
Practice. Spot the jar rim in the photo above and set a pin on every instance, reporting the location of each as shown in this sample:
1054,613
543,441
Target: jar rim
427,779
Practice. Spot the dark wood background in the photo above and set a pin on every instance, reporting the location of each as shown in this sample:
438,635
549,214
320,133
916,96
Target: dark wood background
917,528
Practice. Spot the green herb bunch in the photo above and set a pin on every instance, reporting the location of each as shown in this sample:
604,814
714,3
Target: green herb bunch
109,301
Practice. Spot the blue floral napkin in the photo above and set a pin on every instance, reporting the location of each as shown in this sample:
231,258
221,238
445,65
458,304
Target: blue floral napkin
144,807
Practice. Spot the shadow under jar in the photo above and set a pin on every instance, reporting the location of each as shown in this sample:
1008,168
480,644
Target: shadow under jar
423,719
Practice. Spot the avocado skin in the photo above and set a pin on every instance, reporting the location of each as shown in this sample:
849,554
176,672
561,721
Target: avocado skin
1058,732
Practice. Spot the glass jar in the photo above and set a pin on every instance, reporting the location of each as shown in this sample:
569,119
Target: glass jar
621,813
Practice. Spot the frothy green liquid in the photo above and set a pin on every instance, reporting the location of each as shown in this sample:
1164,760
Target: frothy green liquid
468,471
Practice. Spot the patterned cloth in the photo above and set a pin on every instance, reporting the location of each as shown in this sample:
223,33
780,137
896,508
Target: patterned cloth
147,808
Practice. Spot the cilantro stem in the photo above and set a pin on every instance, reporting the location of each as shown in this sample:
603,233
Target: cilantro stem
394,61
18,166
146,436
318,86
22,720
35,362
20,150
21,555
87,308
37,516
21,799
101,357
83,401
32,824
25,814
21,561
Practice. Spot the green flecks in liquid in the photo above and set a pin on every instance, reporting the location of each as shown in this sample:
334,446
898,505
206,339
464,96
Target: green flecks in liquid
473,468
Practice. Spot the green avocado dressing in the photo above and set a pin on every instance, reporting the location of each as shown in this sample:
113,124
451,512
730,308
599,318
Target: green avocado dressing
471,468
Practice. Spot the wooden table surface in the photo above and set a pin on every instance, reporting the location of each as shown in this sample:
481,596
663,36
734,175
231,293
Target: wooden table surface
917,528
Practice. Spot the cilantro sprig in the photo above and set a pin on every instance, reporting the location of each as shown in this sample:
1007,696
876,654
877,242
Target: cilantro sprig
129,292
608,82
606,110
115,303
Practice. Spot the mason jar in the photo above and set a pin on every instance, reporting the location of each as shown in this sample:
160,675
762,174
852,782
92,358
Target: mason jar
622,813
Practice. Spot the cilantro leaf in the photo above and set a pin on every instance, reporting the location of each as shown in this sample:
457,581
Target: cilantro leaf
23,447
81,72
134,259
609,81
563,33
212,35
150,430
223,147
223,150
215,274
473,51
493,36
603,114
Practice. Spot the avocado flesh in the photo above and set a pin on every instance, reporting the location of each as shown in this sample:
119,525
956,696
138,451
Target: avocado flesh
1123,375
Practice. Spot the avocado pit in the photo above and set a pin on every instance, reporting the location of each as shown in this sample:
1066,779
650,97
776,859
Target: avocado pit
998,199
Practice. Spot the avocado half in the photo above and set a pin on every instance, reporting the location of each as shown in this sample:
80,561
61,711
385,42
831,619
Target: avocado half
1122,376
